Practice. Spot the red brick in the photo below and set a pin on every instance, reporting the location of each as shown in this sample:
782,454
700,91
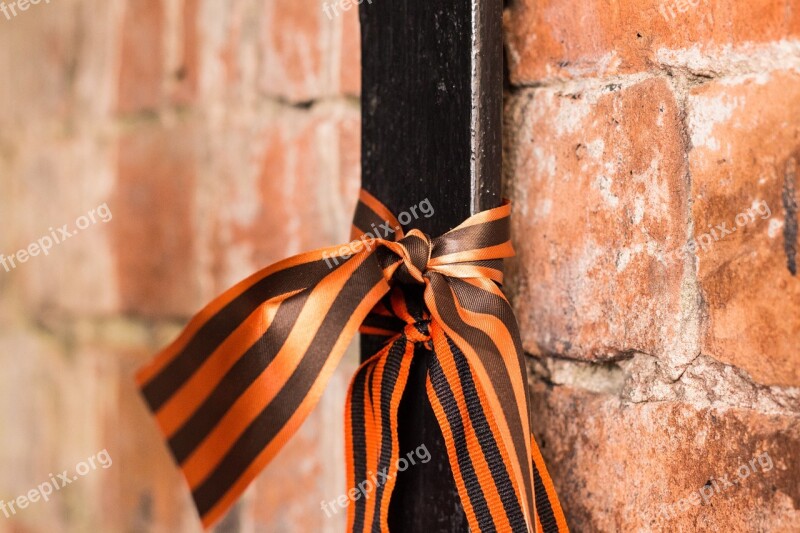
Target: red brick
552,39
307,54
150,77
350,77
52,183
60,64
620,466
745,135
155,231
186,76
141,75
599,189
286,187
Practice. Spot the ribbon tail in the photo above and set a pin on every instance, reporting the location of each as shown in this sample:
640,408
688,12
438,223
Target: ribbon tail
481,356
475,321
373,445
249,368
481,464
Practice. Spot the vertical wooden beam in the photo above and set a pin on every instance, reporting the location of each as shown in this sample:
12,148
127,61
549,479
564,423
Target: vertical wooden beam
431,99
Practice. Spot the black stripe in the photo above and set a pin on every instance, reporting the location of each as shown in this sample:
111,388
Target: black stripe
414,298
488,442
219,327
389,323
275,415
370,385
543,508
240,376
364,219
473,237
359,440
448,401
391,372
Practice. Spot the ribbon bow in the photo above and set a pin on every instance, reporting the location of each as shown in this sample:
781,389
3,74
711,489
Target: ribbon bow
248,369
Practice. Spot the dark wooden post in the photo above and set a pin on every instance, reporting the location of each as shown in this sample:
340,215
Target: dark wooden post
431,128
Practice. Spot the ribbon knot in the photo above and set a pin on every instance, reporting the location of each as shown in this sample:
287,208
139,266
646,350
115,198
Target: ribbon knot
418,332
248,369
415,251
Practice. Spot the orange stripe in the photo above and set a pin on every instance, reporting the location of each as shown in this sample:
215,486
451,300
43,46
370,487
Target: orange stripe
502,337
373,432
369,330
507,461
351,481
468,271
489,215
558,513
447,433
380,309
348,451
261,392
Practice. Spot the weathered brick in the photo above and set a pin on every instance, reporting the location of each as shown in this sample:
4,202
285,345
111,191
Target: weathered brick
37,363
598,179
552,39
621,466
744,159
186,73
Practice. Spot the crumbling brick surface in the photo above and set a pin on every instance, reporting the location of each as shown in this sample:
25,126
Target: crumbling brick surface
652,154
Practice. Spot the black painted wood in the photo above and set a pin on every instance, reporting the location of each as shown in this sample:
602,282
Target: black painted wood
432,74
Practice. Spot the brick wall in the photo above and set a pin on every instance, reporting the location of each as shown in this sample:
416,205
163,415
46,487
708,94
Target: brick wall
224,135
652,151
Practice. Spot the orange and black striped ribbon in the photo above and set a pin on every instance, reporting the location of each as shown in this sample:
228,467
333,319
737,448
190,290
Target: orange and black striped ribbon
248,369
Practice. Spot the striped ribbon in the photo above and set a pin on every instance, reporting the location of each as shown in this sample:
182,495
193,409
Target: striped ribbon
248,369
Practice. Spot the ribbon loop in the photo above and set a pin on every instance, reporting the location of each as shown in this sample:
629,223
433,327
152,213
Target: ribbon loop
248,369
